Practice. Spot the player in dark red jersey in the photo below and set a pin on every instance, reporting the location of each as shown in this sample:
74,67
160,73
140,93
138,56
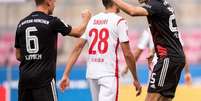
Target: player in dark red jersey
171,59
36,49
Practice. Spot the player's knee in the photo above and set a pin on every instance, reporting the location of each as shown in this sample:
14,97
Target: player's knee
153,97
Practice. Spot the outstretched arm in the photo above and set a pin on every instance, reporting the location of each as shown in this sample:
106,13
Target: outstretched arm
72,59
79,30
131,10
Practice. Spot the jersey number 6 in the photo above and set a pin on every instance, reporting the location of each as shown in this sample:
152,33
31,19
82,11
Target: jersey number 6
101,37
31,38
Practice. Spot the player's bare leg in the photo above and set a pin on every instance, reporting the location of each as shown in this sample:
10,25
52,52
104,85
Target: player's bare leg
156,97
152,97
162,98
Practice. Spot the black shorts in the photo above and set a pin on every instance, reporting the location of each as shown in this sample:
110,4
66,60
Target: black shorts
165,76
46,93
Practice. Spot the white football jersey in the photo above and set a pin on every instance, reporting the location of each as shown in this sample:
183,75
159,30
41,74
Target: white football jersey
104,33
146,40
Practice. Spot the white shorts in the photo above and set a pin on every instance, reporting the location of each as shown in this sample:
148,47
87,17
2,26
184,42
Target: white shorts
104,89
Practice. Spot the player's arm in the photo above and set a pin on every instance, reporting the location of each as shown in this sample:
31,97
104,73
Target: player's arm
187,76
59,27
131,10
122,30
18,54
79,30
151,53
150,57
188,80
71,61
142,44
130,61
137,53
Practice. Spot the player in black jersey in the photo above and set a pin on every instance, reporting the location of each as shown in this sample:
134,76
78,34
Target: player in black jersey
36,49
171,59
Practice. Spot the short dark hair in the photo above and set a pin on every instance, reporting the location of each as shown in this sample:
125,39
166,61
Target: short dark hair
39,2
107,3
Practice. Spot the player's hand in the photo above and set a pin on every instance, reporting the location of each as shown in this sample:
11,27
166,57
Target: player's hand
138,87
188,80
86,15
65,82
150,61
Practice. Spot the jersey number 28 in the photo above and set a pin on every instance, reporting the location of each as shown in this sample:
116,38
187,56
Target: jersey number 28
100,38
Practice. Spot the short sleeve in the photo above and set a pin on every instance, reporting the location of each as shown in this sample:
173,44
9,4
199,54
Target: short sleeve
17,39
122,30
85,36
60,27
153,7
144,40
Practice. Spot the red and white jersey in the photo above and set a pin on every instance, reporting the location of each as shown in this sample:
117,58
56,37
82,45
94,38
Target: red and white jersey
104,33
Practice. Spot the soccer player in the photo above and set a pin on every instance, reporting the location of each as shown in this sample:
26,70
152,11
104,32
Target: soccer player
36,49
146,41
104,33
171,58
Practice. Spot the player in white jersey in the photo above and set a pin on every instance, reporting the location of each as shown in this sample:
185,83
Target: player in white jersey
104,33
147,42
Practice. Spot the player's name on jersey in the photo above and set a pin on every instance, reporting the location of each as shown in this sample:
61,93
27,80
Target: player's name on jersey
43,21
97,60
100,22
33,57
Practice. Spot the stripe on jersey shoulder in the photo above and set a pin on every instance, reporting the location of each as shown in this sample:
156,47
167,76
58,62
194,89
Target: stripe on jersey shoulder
122,19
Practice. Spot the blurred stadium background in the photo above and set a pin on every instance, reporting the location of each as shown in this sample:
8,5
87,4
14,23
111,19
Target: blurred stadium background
188,18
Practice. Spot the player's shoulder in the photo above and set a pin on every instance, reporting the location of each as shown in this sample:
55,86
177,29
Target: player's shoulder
42,15
117,18
120,19
36,16
22,20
